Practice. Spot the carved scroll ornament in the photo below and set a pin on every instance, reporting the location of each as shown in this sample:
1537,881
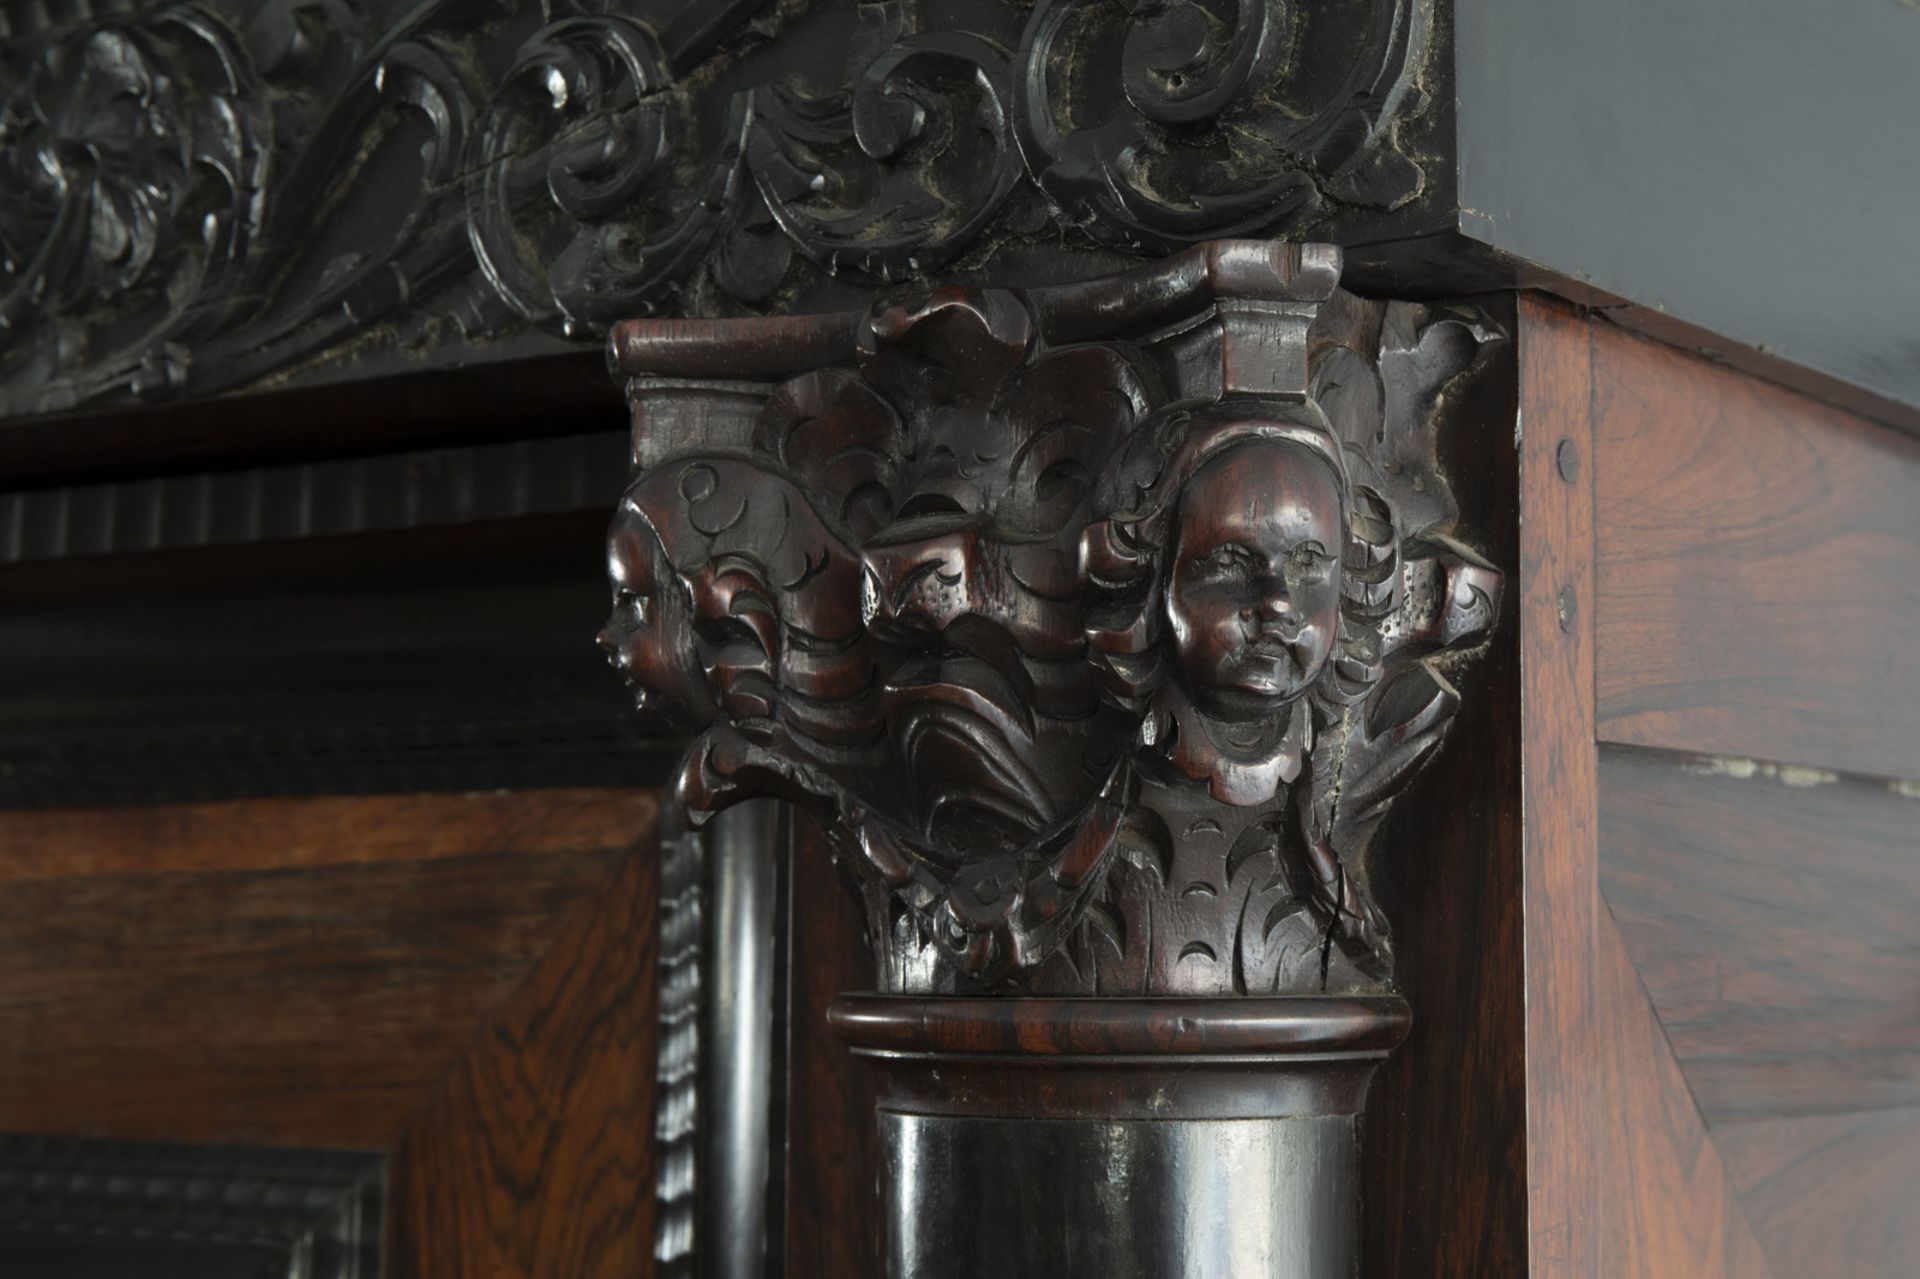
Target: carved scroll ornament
1098,624
489,170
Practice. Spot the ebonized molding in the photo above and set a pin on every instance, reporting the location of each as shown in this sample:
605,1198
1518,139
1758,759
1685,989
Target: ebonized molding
438,658
76,1209
342,497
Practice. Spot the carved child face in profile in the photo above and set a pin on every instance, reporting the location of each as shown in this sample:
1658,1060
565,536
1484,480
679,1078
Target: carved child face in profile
648,636
1254,598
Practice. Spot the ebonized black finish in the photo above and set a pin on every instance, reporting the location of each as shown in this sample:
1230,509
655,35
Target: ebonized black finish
73,1209
450,658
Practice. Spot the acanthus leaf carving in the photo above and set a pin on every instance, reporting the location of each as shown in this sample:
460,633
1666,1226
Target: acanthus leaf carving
895,174
611,160
1159,125
1097,623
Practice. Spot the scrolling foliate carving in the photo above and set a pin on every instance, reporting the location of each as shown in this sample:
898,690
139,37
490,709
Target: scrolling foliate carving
204,194
1159,124
1099,624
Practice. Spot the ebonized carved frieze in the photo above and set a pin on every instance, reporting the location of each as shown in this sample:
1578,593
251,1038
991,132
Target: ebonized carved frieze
214,193
1100,624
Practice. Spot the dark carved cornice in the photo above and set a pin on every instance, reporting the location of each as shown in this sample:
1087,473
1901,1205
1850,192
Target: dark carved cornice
1100,624
216,193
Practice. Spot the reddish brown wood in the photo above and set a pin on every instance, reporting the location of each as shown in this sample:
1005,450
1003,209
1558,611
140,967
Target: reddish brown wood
1565,1112
832,1166
282,972
1662,1205
1772,919
1831,1196
1451,871
278,834
1100,623
1621,1178
1167,1026
536,1156
1758,567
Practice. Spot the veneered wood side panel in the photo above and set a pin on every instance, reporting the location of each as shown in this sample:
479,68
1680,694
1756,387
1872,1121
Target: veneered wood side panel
284,972
1622,1181
1831,1196
1758,567
1559,894
1665,1207
536,1157
1774,924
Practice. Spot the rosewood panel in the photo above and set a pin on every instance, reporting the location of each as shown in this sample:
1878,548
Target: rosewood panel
1771,914
1663,1205
293,972
1565,1107
1831,1196
1622,1179
832,1165
286,835
536,1156
1757,567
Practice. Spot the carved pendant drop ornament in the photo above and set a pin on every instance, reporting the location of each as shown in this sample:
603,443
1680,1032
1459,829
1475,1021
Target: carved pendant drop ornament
1099,624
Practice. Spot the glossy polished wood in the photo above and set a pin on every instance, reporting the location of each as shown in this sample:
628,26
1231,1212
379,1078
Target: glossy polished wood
1100,624
1119,1027
832,1167
296,971
289,835
1757,567
1622,1179
1663,1204
1134,1138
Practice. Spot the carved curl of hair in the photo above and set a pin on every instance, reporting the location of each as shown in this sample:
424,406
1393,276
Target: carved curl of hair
1126,552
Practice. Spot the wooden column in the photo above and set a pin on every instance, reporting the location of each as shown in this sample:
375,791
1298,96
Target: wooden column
1098,626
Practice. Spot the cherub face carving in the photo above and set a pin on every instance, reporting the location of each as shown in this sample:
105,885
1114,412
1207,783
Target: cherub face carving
646,638
1253,602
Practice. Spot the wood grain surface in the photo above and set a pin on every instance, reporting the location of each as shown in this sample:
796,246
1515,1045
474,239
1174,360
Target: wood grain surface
1758,567
1831,1196
1621,1177
1443,1189
1565,1113
832,1156
298,972
281,835
1773,922
536,1156
1664,1206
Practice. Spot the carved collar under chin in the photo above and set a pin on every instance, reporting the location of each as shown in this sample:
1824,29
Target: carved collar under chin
1243,764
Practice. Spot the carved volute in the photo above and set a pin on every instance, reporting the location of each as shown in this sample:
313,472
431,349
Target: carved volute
1098,624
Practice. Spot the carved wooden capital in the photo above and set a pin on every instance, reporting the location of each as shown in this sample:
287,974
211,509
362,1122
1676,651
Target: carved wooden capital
1099,624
